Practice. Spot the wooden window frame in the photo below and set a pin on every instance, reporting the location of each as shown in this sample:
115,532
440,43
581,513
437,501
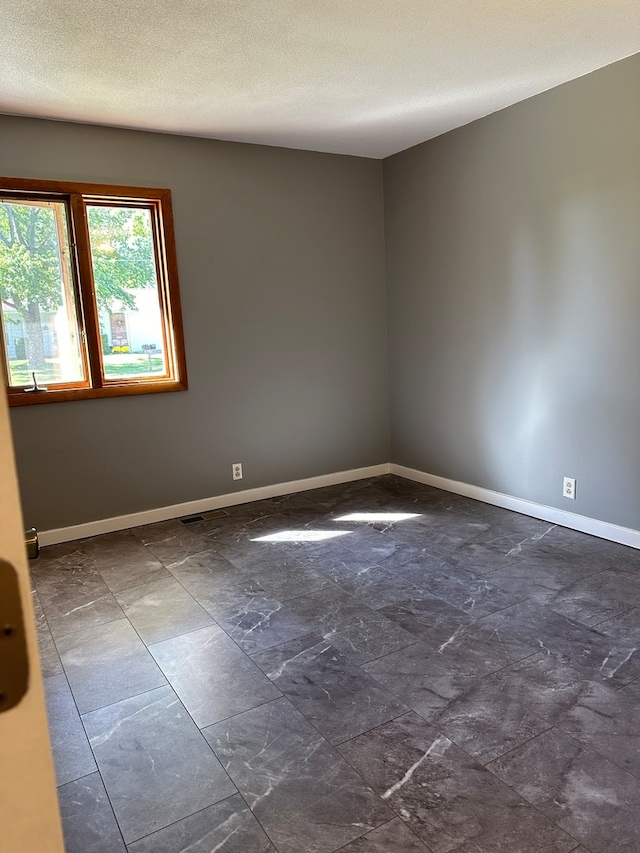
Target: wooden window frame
76,197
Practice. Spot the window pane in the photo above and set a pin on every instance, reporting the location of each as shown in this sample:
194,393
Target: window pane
124,269
38,306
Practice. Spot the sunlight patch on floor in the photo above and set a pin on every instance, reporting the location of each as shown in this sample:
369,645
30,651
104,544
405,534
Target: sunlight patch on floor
384,517
301,536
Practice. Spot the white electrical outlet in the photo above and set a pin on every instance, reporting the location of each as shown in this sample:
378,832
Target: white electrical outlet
569,488
237,470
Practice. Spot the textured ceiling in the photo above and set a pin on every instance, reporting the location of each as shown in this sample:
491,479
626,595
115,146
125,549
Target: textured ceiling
365,77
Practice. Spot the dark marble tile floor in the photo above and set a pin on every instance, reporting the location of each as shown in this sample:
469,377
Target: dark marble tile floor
442,677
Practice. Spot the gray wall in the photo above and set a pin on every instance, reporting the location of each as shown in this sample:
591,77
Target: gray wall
513,275
281,260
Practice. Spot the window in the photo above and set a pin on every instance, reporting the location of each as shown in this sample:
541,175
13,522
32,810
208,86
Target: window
89,302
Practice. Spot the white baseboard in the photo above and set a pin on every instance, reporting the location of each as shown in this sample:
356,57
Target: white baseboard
150,516
603,529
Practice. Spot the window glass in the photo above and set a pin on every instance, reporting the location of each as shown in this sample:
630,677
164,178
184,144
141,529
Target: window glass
128,296
39,312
